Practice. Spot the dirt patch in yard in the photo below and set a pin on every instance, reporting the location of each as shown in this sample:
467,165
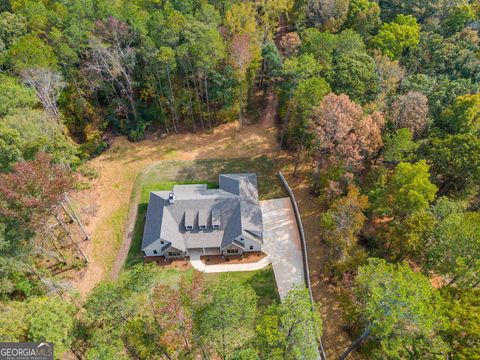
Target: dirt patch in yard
246,258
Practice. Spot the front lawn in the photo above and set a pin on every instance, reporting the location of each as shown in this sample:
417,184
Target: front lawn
262,281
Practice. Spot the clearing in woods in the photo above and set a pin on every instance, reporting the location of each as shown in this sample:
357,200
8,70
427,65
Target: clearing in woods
105,204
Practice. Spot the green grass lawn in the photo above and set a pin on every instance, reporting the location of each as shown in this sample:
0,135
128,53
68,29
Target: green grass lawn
262,281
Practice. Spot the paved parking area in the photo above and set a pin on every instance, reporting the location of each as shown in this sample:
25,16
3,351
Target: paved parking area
282,243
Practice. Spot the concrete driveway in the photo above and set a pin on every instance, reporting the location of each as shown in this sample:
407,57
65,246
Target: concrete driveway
282,243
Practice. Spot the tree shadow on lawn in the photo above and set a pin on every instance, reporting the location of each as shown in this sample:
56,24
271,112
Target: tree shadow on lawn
264,284
134,253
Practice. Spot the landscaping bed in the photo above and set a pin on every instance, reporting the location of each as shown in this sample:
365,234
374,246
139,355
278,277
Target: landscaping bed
245,258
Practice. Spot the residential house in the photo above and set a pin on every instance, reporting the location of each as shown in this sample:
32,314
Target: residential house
193,218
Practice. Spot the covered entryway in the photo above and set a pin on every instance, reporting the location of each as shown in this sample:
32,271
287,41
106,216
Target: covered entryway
204,251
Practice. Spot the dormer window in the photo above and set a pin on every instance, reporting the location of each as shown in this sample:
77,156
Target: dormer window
202,219
189,219
216,218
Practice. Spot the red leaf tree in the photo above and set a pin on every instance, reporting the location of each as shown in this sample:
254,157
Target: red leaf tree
33,190
345,135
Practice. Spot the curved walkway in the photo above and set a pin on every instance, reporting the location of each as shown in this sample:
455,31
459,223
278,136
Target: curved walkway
200,265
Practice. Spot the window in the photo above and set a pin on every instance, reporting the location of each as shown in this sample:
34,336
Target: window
155,252
241,239
203,227
232,251
216,226
251,247
189,227
162,242
173,254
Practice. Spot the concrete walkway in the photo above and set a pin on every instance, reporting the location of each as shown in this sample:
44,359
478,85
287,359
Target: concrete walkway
282,243
200,265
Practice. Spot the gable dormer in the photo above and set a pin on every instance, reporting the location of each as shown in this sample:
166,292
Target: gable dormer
189,220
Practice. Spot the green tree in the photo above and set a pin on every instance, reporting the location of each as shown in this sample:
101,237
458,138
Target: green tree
14,270
40,319
326,47
405,192
462,116
397,311
51,319
12,27
30,52
419,9
320,45
440,90
290,330
14,95
458,17
455,249
105,345
225,322
36,13
308,94
453,57
455,161
271,63
394,38
363,16
9,147
462,309
36,132
341,225
355,75
399,146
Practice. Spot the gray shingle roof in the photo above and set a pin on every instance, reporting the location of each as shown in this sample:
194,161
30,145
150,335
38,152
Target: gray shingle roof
234,206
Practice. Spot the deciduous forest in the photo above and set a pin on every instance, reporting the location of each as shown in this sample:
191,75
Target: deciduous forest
378,99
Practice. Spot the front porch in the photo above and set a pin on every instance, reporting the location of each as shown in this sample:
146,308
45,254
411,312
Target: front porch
232,265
